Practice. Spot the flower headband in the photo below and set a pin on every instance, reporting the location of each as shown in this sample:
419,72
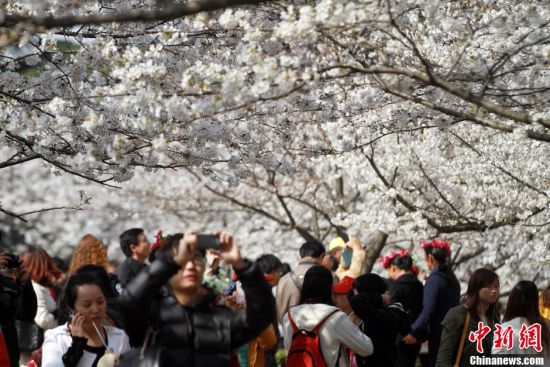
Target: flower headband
390,256
444,245
160,241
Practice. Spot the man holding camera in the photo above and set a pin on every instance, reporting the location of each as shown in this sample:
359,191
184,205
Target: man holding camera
189,329
17,301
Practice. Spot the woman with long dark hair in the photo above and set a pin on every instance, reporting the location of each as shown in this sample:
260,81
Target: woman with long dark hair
441,292
522,309
407,290
481,302
337,329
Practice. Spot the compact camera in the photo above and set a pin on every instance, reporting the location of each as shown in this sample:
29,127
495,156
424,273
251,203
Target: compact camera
206,241
13,261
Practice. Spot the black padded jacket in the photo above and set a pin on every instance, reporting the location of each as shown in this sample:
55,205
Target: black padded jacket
201,336
16,302
408,291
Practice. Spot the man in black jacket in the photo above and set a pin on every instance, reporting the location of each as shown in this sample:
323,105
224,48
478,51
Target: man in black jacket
168,297
17,301
136,248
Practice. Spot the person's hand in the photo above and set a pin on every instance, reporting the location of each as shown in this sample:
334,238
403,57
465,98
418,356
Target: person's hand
409,339
231,303
354,243
229,251
186,248
354,318
61,280
77,325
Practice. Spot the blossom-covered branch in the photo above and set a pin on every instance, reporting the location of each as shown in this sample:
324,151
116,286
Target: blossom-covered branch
84,200
172,11
469,226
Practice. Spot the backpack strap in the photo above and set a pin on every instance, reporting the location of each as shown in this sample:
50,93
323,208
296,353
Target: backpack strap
463,337
294,326
316,328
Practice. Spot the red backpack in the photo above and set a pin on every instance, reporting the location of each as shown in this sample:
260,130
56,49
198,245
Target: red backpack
305,349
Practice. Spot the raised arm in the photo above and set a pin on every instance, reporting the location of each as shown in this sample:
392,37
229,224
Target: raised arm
137,301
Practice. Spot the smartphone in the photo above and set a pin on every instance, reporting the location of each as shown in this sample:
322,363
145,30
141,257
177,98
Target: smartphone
229,290
205,241
347,254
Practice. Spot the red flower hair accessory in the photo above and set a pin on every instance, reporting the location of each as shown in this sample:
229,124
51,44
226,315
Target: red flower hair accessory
160,241
437,244
386,260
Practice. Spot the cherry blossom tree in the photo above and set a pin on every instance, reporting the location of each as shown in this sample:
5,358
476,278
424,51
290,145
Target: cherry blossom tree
406,119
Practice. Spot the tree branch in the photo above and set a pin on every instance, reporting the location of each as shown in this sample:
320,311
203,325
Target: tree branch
29,144
479,226
501,169
432,183
30,104
303,231
475,118
172,11
457,261
463,93
12,214
11,162
84,200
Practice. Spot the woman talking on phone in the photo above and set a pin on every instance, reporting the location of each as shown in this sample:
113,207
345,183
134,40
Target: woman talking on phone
166,299
84,339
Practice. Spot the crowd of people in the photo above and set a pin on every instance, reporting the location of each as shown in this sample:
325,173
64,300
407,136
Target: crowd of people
195,300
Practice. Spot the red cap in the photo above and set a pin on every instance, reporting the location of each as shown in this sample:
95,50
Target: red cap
343,286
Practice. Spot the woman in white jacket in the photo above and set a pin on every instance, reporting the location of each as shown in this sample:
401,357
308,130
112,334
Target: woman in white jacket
337,330
44,274
84,340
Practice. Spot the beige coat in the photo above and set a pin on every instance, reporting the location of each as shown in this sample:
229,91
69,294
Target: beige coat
288,294
357,266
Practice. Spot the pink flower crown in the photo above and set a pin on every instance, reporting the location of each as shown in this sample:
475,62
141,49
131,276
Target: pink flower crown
386,260
437,244
160,241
